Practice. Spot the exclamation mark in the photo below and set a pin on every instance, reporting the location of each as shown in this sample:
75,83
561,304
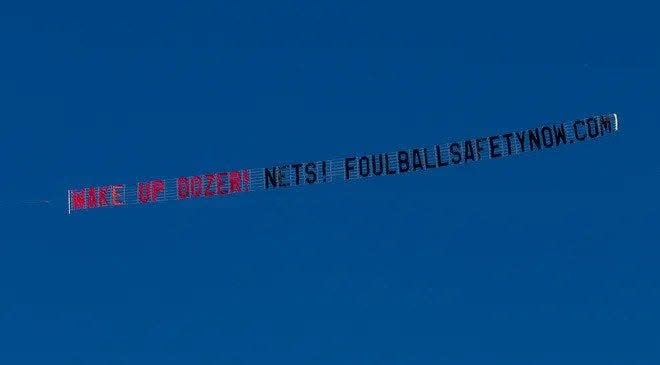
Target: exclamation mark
324,171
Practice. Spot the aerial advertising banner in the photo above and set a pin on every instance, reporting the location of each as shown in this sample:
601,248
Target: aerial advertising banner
349,168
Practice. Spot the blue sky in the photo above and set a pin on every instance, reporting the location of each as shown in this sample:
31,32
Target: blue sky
542,259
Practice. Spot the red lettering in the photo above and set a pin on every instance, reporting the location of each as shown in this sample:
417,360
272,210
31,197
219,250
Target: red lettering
116,195
103,196
209,182
182,187
143,192
234,181
78,198
196,186
246,180
221,183
91,198
157,187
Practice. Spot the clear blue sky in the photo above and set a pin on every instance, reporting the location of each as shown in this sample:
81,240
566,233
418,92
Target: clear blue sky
550,258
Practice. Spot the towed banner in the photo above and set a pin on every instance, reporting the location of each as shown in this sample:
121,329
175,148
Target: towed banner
349,168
